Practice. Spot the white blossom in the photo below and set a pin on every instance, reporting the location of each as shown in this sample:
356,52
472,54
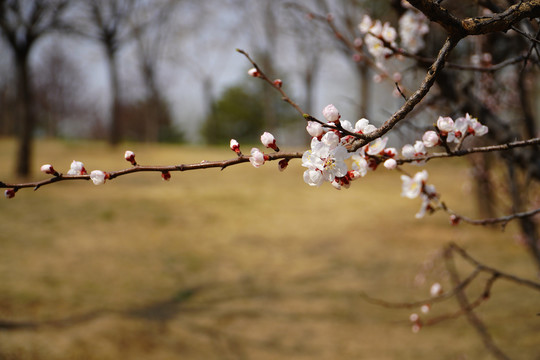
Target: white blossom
331,113
412,187
430,138
413,25
377,146
257,158
314,129
98,177
390,164
445,124
77,168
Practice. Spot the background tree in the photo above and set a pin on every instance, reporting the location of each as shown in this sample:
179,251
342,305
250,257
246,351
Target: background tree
22,24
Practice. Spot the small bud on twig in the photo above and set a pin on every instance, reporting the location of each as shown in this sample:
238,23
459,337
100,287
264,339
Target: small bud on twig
254,72
235,146
269,141
130,156
10,193
165,175
48,169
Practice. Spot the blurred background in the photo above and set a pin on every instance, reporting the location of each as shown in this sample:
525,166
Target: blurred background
245,263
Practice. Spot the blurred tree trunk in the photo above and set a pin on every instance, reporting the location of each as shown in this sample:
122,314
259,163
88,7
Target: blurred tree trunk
26,110
22,24
115,129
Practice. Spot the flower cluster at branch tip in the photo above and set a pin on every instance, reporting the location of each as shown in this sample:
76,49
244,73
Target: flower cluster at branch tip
130,156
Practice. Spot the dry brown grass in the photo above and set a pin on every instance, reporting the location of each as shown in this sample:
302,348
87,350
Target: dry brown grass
239,264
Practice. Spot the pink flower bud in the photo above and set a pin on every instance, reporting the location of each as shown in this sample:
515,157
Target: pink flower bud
98,177
257,158
278,83
10,193
254,72
331,113
235,146
390,164
165,175
130,156
431,139
282,164
269,141
408,151
314,129
48,169
445,124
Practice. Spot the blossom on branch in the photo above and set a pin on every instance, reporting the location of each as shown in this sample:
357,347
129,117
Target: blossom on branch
325,161
390,164
130,156
330,113
235,146
77,168
48,169
412,187
269,141
445,125
314,129
10,193
413,25
257,158
254,72
165,175
431,139
98,177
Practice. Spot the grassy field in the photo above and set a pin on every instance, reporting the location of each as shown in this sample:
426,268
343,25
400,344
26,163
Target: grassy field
243,263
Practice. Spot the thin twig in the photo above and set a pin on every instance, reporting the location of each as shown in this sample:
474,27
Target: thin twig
142,168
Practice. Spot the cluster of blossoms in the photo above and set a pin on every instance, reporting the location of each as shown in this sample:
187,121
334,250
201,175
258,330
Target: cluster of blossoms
413,25
328,157
325,161
380,38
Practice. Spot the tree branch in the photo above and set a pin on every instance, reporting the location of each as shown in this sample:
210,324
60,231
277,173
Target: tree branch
140,168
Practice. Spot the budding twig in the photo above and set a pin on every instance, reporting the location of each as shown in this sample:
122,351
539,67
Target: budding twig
275,85
142,168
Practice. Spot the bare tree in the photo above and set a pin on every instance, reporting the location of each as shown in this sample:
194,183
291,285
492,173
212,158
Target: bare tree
22,24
